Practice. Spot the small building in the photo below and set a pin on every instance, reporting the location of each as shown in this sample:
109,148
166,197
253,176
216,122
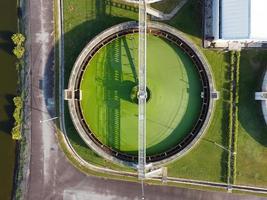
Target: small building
235,23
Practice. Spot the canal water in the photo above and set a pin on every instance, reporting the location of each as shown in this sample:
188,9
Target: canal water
8,86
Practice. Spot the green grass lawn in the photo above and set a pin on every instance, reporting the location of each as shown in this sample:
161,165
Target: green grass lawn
166,6
252,138
172,110
84,19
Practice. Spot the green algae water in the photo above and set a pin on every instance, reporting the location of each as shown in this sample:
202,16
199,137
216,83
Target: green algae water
8,86
173,106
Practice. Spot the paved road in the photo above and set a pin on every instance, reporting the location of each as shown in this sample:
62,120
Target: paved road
51,176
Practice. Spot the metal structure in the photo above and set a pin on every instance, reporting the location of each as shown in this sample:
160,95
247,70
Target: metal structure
142,93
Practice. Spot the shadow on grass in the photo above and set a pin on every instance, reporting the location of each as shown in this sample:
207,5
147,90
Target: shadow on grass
252,70
189,19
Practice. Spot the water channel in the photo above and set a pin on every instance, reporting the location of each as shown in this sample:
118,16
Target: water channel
8,87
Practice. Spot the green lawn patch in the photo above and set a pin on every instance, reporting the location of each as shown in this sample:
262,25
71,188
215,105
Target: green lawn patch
252,138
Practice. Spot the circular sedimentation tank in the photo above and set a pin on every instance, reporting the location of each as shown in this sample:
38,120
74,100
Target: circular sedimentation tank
178,95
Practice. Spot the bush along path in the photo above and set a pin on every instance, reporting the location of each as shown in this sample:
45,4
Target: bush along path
18,130
19,50
233,116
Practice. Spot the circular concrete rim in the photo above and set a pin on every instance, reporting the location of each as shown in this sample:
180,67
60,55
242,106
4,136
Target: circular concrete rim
264,103
84,55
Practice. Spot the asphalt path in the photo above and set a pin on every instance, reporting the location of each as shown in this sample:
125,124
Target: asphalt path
51,175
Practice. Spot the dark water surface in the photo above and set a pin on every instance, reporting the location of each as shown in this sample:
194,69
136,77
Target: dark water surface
8,85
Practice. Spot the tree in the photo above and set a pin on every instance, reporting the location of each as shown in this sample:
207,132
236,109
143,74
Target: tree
16,134
18,39
18,101
18,51
16,130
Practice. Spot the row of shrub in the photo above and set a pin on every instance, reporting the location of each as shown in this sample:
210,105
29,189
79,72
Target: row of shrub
19,50
236,114
230,123
22,149
233,115
16,130
235,145
18,40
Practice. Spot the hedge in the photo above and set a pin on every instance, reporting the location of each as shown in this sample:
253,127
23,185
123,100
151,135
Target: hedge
233,115
16,130
18,40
